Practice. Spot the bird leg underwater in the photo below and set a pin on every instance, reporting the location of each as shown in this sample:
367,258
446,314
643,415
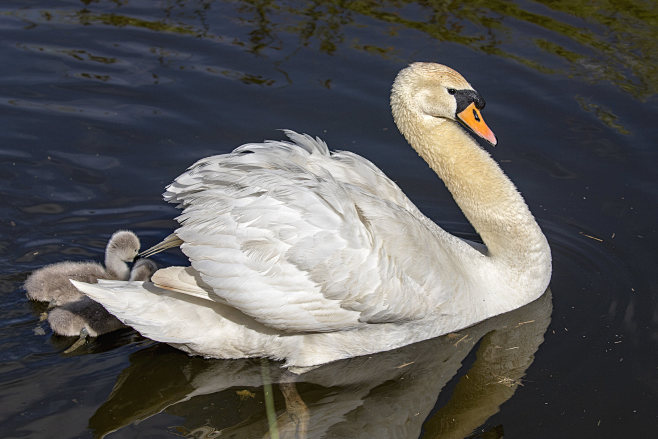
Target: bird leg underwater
84,334
294,421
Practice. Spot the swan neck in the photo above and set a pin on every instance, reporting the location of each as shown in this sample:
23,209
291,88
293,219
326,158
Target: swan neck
488,199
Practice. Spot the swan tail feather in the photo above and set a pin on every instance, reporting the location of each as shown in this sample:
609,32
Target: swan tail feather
185,280
140,305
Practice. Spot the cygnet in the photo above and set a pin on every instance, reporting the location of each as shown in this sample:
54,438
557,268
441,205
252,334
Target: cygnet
143,270
84,317
51,283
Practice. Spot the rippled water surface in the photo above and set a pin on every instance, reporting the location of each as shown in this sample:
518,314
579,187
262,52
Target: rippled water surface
104,102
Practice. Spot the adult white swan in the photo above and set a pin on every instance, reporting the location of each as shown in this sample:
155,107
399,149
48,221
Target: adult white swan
309,256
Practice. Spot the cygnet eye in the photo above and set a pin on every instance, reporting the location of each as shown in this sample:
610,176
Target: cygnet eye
452,91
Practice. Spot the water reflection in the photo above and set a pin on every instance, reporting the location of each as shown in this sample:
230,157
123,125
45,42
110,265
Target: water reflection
584,39
386,395
104,101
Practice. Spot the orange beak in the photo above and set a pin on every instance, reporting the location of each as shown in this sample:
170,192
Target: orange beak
472,118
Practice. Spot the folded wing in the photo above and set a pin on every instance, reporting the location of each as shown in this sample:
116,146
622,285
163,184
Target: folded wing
305,240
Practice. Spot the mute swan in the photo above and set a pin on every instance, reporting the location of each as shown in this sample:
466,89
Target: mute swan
51,283
310,256
84,317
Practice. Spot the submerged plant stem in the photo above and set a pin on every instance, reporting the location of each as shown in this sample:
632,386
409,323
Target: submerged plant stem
269,398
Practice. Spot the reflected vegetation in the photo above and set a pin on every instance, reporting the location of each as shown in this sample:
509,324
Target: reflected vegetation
471,373
603,114
593,40
391,394
87,18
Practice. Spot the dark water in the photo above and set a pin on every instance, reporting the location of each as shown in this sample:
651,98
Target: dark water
105,102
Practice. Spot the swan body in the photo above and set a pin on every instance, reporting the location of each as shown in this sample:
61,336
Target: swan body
87,317
306,255
51,283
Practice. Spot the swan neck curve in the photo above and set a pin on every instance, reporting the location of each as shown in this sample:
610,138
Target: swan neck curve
488,199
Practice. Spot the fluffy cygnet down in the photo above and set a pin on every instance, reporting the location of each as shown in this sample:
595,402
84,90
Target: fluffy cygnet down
51,283
85,317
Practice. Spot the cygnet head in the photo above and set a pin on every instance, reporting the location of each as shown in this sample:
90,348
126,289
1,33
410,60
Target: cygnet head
434,91
124,245
143,270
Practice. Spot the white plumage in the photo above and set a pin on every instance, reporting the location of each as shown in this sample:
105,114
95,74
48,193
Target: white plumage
307,255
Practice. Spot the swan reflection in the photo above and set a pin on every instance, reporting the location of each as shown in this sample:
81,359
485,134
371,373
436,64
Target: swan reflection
390,394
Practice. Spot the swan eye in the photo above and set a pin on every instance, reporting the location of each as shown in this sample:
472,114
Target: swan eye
452,91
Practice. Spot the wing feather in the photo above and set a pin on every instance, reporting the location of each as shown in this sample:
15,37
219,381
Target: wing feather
302,239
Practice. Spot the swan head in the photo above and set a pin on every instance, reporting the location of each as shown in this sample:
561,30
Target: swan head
124,245
435,91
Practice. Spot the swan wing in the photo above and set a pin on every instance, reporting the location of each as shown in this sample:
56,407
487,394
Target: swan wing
302,239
